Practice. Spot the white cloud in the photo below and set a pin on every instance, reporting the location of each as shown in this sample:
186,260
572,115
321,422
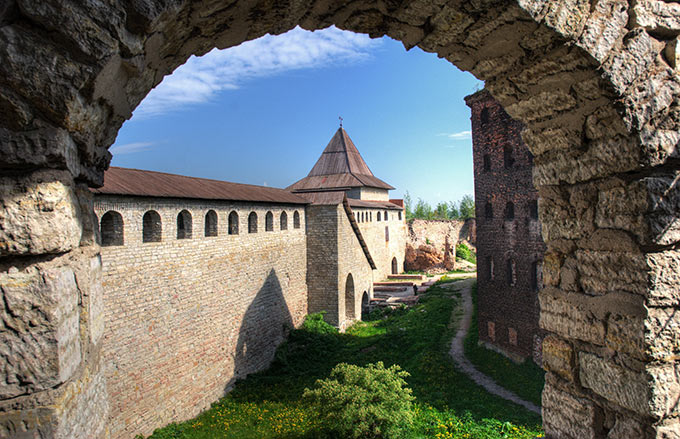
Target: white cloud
461,135
201,79
131,148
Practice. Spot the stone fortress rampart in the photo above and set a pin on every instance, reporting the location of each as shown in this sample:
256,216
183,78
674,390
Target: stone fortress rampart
185,317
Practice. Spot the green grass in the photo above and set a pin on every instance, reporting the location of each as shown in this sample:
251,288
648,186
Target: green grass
448,404
526,380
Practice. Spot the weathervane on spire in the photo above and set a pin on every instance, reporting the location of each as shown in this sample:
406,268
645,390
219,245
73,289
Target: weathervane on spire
340,117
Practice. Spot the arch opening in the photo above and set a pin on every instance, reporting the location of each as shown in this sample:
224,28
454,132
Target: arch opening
151,227
349,298
111,229
184,226
210,223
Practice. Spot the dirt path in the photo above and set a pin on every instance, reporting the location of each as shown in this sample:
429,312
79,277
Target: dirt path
464,364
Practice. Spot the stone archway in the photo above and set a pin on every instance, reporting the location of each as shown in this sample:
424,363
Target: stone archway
395,266
594,82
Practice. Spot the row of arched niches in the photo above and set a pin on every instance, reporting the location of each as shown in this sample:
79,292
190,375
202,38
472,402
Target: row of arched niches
112,233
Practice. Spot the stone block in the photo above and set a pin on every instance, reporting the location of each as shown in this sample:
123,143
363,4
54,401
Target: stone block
569,318
39,214
626,428
637,57
664,278
601,272
40,344
568,417
658,17
605,26
620,206
558,357
664,204
615,383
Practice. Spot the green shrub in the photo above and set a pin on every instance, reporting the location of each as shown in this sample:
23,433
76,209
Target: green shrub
363,402
466,253
315,323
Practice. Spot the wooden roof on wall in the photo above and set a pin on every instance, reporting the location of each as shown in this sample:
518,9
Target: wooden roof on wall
136,182
340,166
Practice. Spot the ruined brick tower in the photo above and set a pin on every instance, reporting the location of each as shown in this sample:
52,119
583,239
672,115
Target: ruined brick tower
509,244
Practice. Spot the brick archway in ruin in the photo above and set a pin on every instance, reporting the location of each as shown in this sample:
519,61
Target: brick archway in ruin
594,82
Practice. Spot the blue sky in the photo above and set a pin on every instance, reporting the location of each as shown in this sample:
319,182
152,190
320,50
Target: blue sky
262,112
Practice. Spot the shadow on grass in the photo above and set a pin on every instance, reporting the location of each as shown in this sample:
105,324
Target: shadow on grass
417,339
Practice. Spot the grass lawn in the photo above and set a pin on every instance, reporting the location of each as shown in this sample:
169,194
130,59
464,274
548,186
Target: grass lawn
448,404
526,379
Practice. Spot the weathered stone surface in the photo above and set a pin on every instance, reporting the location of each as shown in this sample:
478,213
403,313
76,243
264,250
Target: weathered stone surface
664,278
39,214
638,55
568,417
626,428
569,319
672,52
662,326
558,357
623,386
664,201
600,272
604,28
40,330
657,16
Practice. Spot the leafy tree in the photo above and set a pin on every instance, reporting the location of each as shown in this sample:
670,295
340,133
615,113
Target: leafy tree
441,211
467,207
423,210
453,211
408,206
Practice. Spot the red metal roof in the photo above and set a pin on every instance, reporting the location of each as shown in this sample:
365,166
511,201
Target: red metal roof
125,181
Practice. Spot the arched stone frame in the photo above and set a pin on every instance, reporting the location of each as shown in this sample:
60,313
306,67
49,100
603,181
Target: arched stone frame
283,221
252,222
210,223
296,220
111,229
152,227
378,218
184,225
269,222
394,266
593,81
233,223
350,305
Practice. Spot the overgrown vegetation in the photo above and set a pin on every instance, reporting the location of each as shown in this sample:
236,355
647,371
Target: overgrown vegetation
452,210
446,403
526,380
466,253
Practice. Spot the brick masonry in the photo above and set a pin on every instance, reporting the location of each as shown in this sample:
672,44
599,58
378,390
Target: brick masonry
186,317
509,244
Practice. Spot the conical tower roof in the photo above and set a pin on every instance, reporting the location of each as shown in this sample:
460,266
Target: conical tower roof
339,167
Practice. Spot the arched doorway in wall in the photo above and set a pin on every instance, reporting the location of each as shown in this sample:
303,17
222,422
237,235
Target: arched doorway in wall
365,309
552,65
349,298
395,266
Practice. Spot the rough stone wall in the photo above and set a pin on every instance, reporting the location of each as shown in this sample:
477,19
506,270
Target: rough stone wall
595,83
509,250
382,250
185,317
323,282
431,244
352,260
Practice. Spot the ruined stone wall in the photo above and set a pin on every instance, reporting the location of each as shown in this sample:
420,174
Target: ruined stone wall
431,244
185,317
509,244
383,250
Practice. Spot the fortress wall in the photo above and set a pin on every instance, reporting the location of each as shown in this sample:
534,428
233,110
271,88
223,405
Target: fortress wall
382,250
352,260
185,318
509,250
322,260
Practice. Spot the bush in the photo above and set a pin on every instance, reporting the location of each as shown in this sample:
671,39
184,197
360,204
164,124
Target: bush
363,402
315,323
464,252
